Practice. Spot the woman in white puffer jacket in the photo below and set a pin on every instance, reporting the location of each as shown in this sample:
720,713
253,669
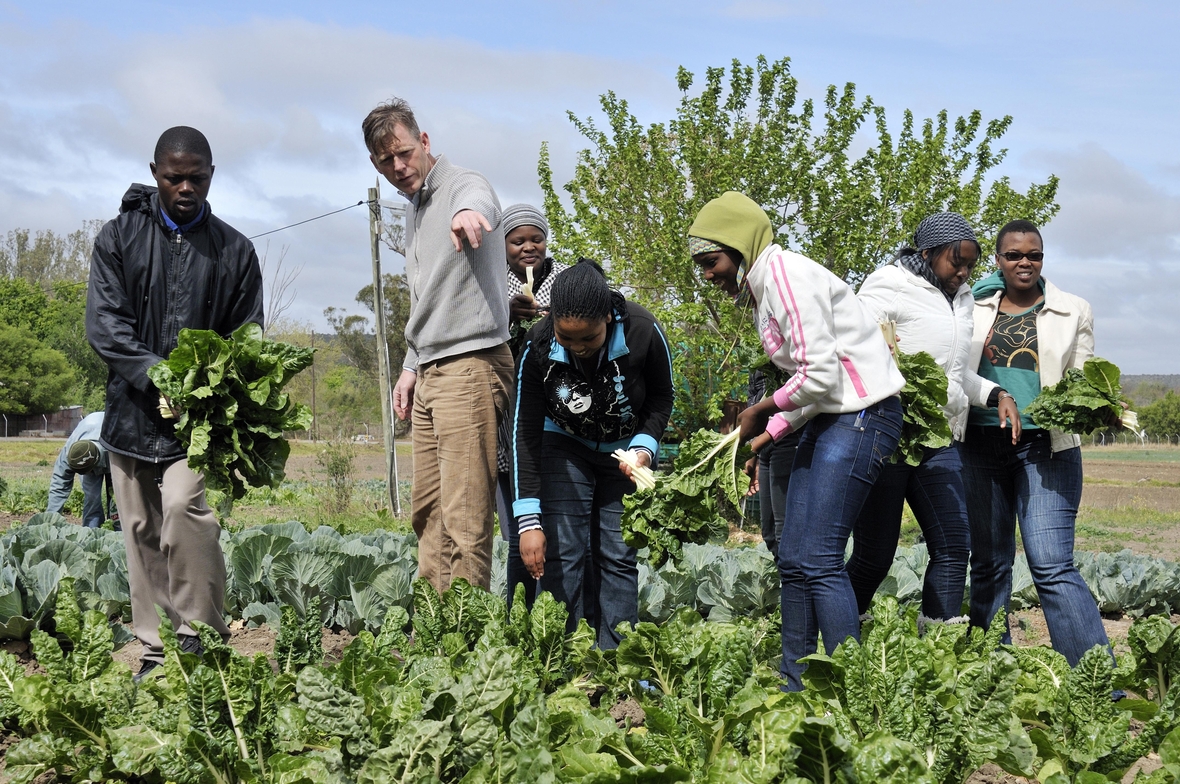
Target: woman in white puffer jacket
925,292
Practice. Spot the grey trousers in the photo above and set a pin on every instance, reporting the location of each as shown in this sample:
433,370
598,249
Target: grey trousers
174,557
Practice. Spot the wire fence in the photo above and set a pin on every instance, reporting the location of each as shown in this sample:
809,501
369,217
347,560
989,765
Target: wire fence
1130,439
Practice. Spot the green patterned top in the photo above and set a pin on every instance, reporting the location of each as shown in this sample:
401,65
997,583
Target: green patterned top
1010,359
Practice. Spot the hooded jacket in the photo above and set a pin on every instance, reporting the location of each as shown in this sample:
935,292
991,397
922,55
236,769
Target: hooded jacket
810,322
813,326
147,283
623,404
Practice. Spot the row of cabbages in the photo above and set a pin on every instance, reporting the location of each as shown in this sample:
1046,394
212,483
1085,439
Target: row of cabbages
358,577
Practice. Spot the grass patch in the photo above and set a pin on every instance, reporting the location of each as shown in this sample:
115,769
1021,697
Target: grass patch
306,501
1143,529
29,451
1132,454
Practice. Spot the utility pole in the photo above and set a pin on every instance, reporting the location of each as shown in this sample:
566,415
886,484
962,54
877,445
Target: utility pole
383,371
313,412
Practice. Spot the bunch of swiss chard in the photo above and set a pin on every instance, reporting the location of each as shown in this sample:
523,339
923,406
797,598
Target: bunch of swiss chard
924,422
233,408
686,505
1084,400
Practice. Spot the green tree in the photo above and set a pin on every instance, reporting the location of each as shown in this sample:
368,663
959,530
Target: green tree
57,318
358,348
34,379
636,190
44,257
396,292
357,342
1161,419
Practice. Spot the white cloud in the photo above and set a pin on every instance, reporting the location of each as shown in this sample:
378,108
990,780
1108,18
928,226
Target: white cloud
281,102
1116,242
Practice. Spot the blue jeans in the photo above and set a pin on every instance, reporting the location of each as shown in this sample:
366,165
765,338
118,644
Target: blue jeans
587,565
1042,489
836,465
935,491
774,477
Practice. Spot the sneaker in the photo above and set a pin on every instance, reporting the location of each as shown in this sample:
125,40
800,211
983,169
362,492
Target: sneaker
190,643
145,670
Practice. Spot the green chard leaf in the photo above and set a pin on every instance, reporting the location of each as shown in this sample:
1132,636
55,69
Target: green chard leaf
924,423
1084,400
233,412
685,506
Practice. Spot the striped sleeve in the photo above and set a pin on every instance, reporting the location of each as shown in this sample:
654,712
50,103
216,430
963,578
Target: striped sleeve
528,425
803,308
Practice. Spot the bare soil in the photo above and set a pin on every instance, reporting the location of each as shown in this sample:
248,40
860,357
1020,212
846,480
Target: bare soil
1128,479
249,642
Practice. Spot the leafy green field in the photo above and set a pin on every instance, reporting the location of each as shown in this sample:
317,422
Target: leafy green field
466,690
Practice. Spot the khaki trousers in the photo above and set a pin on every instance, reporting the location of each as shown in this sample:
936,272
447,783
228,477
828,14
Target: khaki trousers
458,402
174,557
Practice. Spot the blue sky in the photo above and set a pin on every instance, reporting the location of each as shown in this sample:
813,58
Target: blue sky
280,89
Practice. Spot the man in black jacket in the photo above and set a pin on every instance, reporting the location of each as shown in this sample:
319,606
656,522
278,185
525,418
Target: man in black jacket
166,263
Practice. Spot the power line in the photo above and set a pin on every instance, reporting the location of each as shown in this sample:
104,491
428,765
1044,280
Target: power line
309,220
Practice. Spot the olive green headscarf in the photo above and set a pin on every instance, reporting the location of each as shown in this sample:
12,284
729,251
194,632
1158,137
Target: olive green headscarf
736,221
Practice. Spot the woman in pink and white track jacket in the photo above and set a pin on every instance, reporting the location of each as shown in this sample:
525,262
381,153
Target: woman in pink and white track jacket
842,392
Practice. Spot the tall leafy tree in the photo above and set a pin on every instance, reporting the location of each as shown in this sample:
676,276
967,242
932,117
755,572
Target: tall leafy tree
353,333
840,186
44,257
1161,419
57,320
34,379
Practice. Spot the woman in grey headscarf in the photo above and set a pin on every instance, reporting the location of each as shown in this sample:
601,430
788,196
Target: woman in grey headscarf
526,236
926,293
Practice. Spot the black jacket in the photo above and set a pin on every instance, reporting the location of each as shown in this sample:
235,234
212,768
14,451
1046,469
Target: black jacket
624,403
146,284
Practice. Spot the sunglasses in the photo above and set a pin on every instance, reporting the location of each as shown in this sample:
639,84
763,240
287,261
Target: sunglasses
1015,255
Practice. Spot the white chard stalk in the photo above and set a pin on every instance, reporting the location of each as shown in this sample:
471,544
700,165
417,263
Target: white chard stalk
645,478
1130,420
889,330
527,288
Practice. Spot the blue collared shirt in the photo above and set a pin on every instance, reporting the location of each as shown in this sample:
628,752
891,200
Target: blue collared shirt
171,224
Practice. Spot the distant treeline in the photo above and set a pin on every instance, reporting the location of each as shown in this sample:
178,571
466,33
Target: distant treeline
1146,389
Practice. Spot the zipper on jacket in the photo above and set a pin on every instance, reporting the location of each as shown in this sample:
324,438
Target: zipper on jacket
175,267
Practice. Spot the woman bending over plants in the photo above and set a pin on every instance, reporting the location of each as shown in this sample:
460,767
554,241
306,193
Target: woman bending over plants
595,375
843,388
1027,333
925,293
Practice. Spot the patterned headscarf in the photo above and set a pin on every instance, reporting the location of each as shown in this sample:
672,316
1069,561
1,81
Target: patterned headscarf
938,229
699,245
519,215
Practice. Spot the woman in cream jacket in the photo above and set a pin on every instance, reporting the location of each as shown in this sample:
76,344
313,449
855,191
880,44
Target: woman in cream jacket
1027,332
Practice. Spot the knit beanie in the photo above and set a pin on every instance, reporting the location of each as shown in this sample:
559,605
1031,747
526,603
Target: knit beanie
519,215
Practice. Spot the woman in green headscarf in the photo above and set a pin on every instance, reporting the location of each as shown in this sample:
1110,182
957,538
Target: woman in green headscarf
843,386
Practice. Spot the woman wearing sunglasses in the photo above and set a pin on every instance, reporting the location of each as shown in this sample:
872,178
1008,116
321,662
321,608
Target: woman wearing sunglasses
1027,334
